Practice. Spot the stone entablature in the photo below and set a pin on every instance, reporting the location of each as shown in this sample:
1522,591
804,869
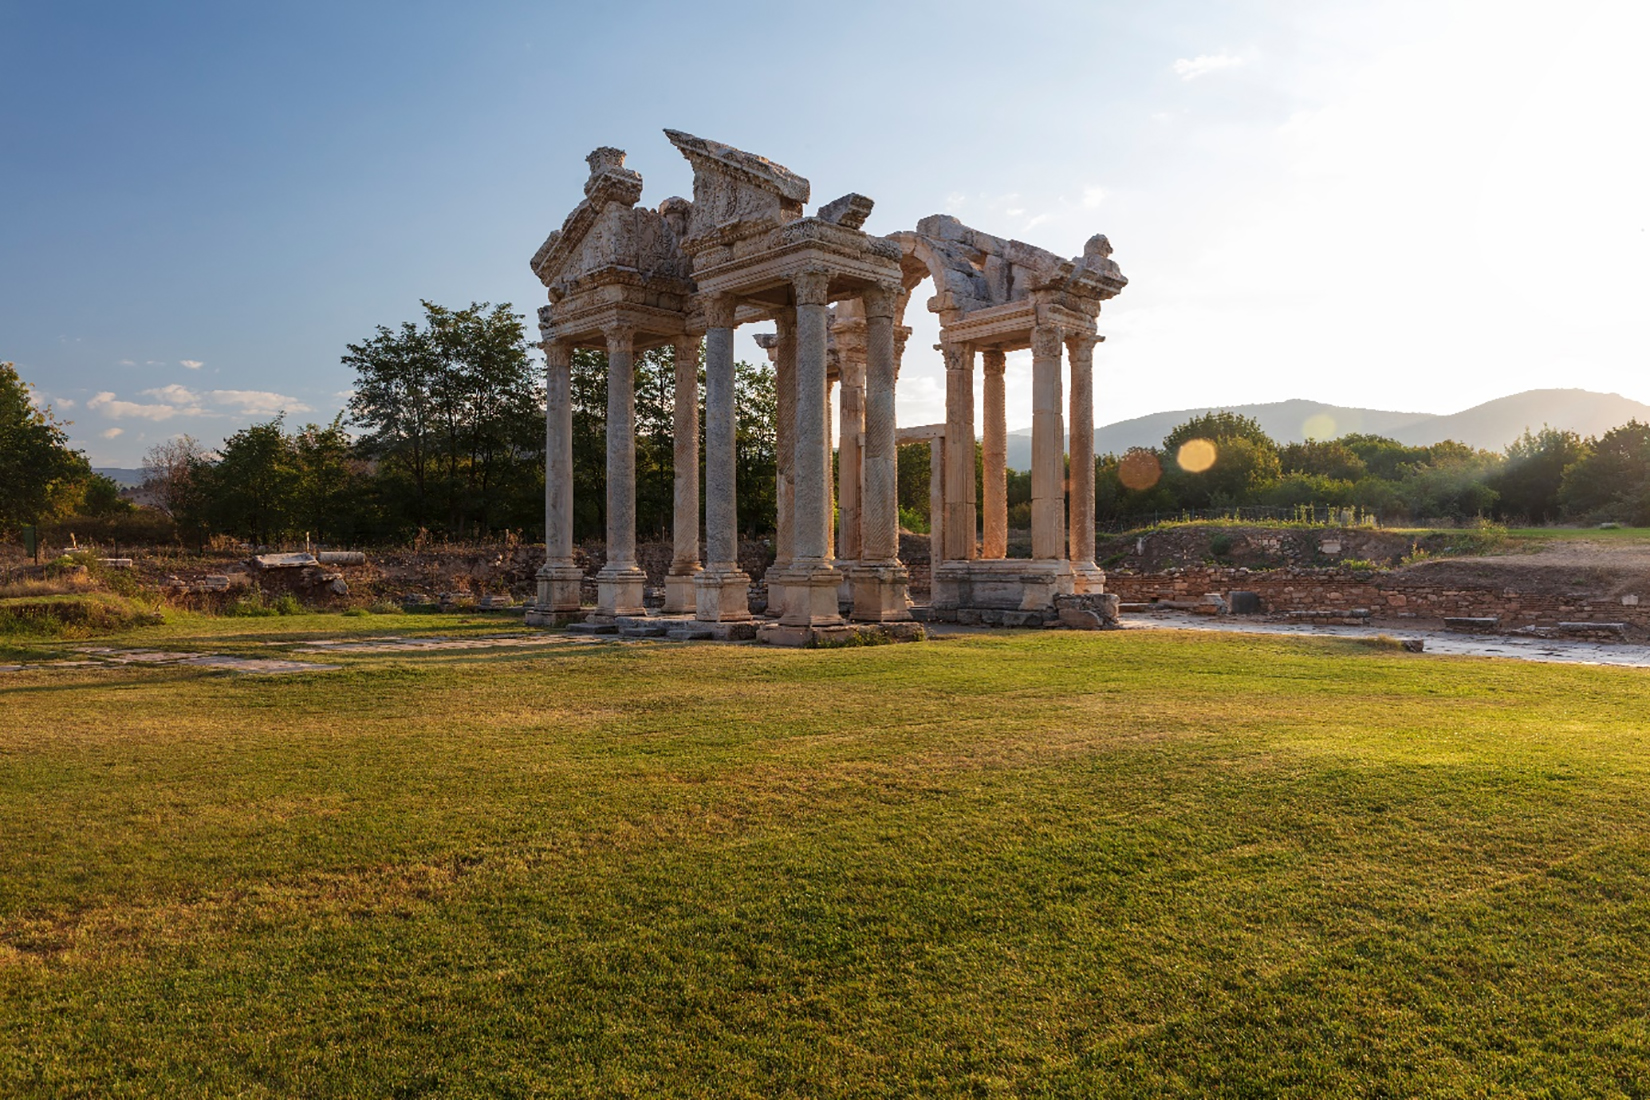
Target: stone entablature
621,277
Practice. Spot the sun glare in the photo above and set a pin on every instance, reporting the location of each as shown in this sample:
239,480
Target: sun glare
1196,455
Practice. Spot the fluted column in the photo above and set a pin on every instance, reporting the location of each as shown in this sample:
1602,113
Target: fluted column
559,578
1048,503
684,565
879,581
721,589
995,536
936,503
1080,348
784,384
813,599
850,449
960,509
828,474
619,584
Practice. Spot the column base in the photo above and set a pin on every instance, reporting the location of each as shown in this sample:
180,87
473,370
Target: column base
810,598
879,593
721,596
558,584
679,589
1087,578
619,592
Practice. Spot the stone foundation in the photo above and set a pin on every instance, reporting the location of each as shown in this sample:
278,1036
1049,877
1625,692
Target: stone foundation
1337,595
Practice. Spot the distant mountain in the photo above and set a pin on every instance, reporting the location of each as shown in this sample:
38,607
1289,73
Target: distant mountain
1492,425
120,475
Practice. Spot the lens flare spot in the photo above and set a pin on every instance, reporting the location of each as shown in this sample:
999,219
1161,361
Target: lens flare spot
1196,455
1321,426
1139,470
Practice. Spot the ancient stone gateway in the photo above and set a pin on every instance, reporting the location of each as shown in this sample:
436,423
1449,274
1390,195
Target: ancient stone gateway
623,278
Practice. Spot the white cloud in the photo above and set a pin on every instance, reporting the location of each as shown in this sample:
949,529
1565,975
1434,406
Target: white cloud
111,433
114,408
192,364
128,363
257,402
174,395
1192,68
1092,197
65,402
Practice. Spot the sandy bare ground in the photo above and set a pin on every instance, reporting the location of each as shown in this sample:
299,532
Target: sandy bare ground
1591,567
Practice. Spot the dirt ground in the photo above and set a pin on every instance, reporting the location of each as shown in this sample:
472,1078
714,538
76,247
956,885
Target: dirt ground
1596,567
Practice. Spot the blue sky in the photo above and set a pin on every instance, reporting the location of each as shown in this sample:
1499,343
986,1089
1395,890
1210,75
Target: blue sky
1397,204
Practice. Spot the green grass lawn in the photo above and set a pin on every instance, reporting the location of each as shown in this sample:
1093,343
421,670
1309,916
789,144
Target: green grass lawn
1030,864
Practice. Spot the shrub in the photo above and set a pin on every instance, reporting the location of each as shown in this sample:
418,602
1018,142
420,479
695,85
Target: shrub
250,605
73,616
386,607
287,604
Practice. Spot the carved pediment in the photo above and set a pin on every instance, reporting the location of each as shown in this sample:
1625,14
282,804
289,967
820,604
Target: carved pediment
607,231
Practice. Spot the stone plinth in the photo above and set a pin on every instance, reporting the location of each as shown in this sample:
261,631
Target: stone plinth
721,595
681,591
878,593
558,589
619,592
1009,584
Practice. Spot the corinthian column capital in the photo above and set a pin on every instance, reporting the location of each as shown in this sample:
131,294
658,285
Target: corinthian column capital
719,310
880,299
1046,341
1081,344
811,286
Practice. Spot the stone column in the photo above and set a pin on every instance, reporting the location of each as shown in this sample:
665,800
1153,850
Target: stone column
812,600
559,579
995,537
684,565
721,589
850,446
829,474
936,505
620,582
879,580
1048,496
784,383
1089,577
960,514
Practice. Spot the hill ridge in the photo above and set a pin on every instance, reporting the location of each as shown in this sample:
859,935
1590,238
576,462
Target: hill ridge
1490,425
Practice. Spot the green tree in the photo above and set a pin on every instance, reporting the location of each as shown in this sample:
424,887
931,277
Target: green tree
1613,482
39,473
1528,482
326,498
1244,461
1382,457
252,490
1329,458
455,408
756,405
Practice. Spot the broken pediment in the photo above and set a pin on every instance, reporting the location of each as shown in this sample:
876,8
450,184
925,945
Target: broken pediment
974,270
735,193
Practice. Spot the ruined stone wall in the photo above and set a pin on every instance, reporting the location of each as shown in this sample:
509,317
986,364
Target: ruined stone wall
1386,596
